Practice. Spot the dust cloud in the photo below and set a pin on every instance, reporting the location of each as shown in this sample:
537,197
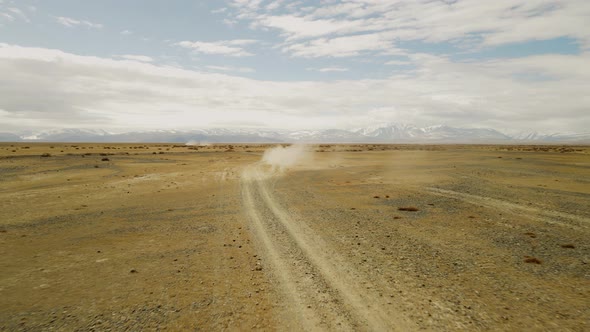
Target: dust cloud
280,158
196,143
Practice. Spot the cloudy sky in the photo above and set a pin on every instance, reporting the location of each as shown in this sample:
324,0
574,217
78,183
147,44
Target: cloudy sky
512,65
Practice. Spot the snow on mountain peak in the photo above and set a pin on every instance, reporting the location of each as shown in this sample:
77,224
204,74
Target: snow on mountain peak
379,133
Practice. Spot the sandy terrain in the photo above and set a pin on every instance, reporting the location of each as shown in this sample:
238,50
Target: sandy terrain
330,237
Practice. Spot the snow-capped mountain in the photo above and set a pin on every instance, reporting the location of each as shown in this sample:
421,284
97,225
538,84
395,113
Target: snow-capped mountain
405,132
68,134
391,131
384,133
583,138
481,134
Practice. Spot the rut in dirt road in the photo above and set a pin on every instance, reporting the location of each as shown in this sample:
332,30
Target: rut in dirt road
321,290
531,212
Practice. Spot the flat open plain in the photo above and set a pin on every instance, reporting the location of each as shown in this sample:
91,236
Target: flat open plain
172,237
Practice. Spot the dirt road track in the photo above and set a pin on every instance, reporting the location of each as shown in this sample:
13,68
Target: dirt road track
543,215
322,292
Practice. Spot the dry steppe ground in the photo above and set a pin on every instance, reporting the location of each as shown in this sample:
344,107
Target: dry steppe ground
352,237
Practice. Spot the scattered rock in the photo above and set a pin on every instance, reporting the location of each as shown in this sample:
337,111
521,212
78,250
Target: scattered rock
408,208
532,260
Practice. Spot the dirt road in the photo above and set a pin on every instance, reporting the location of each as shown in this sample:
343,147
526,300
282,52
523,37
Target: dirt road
322,290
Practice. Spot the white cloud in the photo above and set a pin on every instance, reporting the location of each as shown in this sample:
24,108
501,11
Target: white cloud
329,69
241,42
219,10
6,16
398,63
341,46
274,5
232,69
141,58
126,32
47,88
12,14
229,22
19,13
465,22
71,22
296,27
247,4
224,47
569,19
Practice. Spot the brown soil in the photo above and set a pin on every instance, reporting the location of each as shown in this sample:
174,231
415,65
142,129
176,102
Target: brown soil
170,237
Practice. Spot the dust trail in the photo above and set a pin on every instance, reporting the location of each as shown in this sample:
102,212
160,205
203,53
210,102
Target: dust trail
197,143
280,158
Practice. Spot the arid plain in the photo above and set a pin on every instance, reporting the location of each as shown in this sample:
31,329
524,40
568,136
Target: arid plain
324,237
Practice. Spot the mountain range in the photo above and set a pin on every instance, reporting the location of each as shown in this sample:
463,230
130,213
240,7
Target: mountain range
385,133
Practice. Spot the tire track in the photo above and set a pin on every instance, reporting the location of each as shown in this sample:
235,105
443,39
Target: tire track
305,320
548,216
343,304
